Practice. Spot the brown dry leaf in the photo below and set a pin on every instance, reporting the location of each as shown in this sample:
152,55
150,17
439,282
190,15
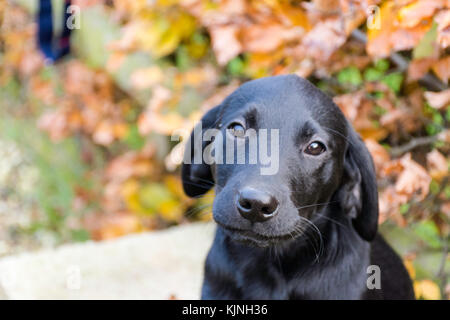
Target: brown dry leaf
437,164
419,67
324,39
166,124
444,136
31,62
379,154
115,60
131,164
438,100
359,111
268,37
55,124
412,14
225,43
442,69
79,79
443,21
445,209
350,103
43,90
405,39
327,6
104,133
389,202
112,225
414,180
202,77
401,117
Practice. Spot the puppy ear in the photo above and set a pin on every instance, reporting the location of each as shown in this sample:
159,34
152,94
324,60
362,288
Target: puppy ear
195,173
358,193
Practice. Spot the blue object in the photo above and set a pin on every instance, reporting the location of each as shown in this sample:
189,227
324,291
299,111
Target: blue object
53,47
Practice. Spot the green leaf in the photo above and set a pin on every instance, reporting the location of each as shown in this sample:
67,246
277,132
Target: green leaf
182,58
372,74
393,81
432,129
434,187
133,139
382,65
425,48
236,66
379,110
404,208
447,192
429,233
350,75
80,235
438,119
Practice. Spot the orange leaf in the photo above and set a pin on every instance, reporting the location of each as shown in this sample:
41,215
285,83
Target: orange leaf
412,14
442,69
427,289
413,180
438,100
437,163
225,43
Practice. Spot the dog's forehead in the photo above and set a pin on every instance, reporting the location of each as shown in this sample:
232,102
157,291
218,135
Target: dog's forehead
287,98
284,91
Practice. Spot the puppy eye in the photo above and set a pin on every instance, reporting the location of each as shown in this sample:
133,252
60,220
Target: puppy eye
237,129
315,148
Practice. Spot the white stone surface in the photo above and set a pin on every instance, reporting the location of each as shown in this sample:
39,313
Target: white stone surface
153,265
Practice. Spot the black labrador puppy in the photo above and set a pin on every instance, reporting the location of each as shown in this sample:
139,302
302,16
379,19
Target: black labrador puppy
307,227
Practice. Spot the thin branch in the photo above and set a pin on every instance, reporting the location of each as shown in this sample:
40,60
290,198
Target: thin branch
414,143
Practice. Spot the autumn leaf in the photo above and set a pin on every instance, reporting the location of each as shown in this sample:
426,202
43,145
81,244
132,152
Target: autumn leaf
379,153
146,78
437,164
443,21
427,289
109,226
225,43
442,69
413,179
324,39
414,13
395,36
438,100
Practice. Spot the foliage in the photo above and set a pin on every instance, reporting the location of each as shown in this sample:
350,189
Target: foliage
142,69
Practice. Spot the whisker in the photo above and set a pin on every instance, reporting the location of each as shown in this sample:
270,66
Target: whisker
316,204
339,134
332,220
310,223
196,209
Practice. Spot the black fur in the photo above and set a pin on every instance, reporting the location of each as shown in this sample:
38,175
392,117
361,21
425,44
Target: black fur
324,235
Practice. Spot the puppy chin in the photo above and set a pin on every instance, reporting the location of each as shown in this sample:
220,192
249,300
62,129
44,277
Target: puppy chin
253,239
248,240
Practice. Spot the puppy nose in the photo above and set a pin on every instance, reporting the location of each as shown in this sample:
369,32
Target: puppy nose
256,205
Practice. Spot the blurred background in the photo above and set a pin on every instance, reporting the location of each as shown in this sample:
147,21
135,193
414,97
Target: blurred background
85,148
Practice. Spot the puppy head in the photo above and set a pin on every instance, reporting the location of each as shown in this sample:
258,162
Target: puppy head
280,153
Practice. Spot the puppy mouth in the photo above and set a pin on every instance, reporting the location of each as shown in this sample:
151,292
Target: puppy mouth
256,239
